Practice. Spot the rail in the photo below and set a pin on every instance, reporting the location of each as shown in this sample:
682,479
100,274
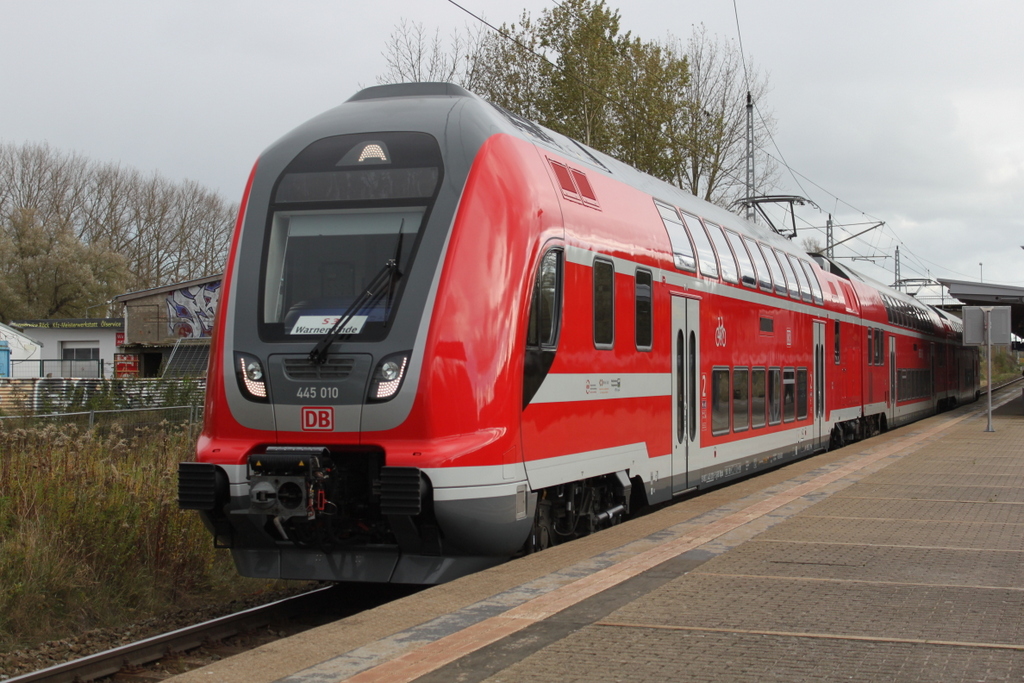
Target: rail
152,649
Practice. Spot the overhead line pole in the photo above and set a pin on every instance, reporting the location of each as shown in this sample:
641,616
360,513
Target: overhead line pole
750,157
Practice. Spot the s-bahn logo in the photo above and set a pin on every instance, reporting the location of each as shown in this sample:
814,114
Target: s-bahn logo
318,419
720,332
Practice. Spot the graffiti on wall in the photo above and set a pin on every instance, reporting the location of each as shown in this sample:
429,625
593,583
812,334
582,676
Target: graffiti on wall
190,310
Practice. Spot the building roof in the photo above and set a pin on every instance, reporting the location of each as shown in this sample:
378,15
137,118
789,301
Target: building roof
982,294
129,296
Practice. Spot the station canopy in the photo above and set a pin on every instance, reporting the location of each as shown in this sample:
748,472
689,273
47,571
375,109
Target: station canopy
981,294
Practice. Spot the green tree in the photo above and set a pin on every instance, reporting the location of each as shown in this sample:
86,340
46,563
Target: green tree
47,272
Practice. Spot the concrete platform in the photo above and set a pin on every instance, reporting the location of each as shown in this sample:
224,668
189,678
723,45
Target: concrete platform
900,558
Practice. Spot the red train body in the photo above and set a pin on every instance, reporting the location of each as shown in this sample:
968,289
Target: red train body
530,338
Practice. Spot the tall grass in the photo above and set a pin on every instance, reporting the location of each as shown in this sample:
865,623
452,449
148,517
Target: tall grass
1004,366
91,535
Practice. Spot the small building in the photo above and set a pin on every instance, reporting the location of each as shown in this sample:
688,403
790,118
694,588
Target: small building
167,329
70,347
20,347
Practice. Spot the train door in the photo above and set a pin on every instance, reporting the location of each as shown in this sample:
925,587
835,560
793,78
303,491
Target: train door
819,382
685,389
892,378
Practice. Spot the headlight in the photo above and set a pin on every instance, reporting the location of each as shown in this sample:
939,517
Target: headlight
251,377
388,376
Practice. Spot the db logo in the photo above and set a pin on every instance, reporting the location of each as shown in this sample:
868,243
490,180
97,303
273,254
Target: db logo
316,419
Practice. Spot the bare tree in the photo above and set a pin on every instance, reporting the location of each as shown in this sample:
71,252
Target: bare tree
415,57
75,233
711,163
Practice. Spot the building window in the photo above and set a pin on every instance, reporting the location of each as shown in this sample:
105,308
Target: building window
604,304
80,350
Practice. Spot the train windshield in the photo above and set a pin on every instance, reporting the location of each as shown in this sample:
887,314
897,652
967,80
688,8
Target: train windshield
343,229
319,263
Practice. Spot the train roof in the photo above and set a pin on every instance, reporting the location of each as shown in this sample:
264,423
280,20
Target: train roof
501,120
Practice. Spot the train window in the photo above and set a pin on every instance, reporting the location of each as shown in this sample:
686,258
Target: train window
545,308
764,271
812,280
871,347
788,394
320,263
801,393
725,257
604,304
805,288
682,250
644,312
839,344
705,251
778,276
757,397
748,275
774,396
740,402
767,326
720,401
792,284
879,347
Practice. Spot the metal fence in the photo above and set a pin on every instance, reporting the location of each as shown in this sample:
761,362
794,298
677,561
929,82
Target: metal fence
172,416
85,369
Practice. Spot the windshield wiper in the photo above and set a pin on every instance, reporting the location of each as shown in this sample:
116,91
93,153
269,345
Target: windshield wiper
395,273
371,294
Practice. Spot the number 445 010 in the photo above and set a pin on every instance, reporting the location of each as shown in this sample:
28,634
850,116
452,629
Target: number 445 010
317,392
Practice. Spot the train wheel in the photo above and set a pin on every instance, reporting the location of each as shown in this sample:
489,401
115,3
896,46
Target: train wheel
838,440
541,536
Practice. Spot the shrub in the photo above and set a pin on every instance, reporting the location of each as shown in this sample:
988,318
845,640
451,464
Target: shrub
91,535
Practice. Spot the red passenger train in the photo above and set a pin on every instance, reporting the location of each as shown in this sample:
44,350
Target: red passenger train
447,335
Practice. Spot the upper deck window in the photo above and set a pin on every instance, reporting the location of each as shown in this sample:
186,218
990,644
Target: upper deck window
792,284
764,271
682,250
730,271
747,274
705,251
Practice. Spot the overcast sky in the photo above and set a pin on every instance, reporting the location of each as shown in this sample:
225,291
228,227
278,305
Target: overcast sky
904,111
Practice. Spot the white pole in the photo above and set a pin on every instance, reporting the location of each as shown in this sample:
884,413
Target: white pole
988,343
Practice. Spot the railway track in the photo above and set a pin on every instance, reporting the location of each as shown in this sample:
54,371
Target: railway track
129,662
